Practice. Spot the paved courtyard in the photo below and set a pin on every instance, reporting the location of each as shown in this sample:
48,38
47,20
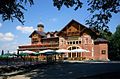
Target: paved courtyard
69,71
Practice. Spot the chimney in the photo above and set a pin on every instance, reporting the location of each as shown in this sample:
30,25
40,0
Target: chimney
40,27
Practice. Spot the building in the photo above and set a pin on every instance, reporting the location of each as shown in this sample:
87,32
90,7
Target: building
73,36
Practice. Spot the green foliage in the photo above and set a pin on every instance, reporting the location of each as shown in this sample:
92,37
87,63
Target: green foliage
10,9
67,3
105,34
114,45
102,11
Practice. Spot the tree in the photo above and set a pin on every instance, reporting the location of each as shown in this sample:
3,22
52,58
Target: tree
114,45
101,10
11,9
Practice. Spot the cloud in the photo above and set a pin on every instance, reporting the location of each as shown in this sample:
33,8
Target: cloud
7,36
0,24
25,29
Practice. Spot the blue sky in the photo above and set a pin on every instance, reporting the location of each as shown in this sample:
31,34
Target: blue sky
14,33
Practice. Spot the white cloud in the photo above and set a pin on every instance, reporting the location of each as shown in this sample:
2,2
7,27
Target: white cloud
25,29
7,36
0,24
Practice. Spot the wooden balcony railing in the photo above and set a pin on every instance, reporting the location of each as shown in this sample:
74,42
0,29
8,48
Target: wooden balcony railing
73,33
42,46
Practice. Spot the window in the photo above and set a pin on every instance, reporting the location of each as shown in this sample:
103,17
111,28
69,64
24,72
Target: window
70,42
35,35
73,42
69,48
79,42
76,42
103,52
34,40
73,47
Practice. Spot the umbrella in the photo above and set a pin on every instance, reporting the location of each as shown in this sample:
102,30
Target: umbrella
13,52
23,54
35,54
79,50
46,51
7,55
62,50
29,52
4,56
87,51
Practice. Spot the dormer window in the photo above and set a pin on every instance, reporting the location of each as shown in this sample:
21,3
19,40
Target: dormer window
35,36
48,36
55,35
34,41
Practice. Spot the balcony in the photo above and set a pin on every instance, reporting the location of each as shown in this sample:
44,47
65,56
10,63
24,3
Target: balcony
73,33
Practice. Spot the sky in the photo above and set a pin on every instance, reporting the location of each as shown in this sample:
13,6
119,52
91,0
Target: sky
13,34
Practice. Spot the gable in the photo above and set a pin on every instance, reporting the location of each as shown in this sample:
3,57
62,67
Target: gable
89,32
38,33
73,27
32,34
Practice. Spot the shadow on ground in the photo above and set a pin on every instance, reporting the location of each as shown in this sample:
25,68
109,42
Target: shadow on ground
76,71
73,71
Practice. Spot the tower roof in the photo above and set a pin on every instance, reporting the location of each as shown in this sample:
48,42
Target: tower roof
39,33
40,25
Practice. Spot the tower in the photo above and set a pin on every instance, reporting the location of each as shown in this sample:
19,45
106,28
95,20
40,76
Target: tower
40,27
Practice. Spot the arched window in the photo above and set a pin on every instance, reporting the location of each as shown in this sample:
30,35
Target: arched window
73,54
73,47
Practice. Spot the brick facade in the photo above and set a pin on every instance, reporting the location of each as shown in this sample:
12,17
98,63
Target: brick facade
73,36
